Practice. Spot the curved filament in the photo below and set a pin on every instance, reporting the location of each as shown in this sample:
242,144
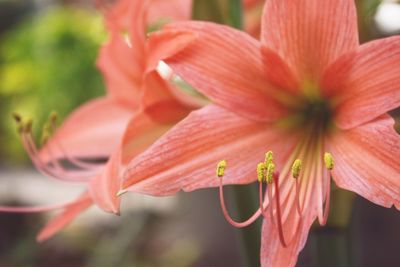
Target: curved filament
79,163
234,223
322,220
279,223
51,171
298,208
34,209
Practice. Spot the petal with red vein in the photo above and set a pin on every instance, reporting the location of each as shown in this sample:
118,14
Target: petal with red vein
310,34
272,252
186,157
295,228
146,127
367,161
164,44
70,212
226,65
104,187
278,72
92,131
142,131
159,101
122,67
130,16
367,82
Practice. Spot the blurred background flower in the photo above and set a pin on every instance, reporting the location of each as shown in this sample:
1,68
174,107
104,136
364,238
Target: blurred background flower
48,51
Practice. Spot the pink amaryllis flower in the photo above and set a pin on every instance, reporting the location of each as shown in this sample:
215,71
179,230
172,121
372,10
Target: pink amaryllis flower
306,89
138,108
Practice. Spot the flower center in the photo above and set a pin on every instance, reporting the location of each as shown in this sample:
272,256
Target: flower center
313,114
319,111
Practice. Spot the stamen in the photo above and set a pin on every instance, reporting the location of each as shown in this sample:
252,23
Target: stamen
33,209
270,173
279,213
329,164
17,117
221,168
296,169
27,126
46,134
53,171
220,173
269,157
77,162
261,172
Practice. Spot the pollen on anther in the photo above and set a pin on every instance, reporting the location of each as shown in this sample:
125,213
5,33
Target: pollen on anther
221,168
269,157
17,117
260,172
53,116
270,173
27,127
296,168
329,163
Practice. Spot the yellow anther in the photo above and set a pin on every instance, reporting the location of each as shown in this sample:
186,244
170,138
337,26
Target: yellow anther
27,126
221,168
46,133
17,117
269,157
53,116
296,168
329,163
260,172
45,138
270,173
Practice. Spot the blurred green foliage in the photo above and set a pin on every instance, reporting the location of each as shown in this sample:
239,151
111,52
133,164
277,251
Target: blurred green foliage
220,11
47,63
366,12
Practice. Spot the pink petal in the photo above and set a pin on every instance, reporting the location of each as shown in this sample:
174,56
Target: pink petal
295,228
310,34
161,111
226,65
93,130
164,44
104,187
130,16
122,67
68,215
273,253
367,161
186,157
278,72
159,101
142,131
170,10
366,82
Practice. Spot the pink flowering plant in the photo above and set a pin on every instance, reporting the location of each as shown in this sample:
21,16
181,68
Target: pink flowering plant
301,107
